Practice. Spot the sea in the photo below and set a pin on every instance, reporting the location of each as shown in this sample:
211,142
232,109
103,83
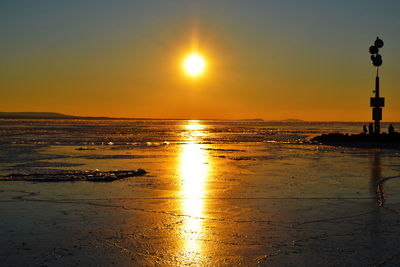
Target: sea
216,193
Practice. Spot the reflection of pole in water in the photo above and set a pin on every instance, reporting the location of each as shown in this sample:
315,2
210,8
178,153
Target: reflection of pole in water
375,219
376,177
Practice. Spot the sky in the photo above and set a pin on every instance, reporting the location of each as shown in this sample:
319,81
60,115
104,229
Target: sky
265,59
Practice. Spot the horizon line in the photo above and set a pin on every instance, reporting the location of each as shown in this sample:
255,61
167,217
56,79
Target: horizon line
56,115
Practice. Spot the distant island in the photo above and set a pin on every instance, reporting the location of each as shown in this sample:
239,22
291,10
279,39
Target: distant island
60,116
45,115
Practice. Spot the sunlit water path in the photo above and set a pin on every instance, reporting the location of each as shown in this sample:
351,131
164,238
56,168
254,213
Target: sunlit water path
194,172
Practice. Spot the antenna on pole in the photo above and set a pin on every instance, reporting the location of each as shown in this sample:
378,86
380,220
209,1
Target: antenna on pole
376,102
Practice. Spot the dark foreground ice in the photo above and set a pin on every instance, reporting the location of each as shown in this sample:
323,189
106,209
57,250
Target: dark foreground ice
72,176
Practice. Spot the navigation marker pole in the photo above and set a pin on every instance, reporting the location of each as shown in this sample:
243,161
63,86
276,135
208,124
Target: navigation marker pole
377,102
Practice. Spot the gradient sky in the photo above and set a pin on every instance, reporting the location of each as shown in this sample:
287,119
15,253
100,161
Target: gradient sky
266,59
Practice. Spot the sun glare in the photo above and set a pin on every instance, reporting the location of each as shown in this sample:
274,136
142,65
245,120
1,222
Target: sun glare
194,65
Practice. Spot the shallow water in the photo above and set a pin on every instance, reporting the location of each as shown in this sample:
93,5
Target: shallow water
217,193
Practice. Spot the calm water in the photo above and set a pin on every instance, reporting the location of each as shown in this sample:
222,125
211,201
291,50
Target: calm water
217,193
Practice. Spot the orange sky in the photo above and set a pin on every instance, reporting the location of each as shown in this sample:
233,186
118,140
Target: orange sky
264,60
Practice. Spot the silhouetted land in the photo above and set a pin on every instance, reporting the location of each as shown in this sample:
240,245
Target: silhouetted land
60,116
359,140
43,115
57,116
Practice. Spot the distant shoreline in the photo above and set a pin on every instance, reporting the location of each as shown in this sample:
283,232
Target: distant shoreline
60,116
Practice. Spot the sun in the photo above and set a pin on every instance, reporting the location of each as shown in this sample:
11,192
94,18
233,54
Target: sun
194,64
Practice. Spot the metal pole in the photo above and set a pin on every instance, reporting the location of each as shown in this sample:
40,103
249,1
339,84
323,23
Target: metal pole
377,119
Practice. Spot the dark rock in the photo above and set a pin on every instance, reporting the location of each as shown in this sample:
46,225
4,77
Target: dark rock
364,140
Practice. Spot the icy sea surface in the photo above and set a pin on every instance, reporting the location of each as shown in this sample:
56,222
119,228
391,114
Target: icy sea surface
217,193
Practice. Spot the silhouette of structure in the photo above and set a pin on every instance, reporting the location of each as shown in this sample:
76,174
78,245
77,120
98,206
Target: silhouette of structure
377,102
374,138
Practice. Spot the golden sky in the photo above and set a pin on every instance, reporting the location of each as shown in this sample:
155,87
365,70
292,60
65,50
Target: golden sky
265,59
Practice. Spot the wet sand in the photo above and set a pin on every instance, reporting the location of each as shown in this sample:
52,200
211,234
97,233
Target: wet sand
268,204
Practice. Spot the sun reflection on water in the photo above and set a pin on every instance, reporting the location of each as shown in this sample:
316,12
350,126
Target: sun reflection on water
194,171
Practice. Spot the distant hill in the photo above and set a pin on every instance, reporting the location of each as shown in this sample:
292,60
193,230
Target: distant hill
57,116
60,116
34,115
42,115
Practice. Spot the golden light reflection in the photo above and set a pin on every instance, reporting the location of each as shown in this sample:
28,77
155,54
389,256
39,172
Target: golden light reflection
193,173
194,126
